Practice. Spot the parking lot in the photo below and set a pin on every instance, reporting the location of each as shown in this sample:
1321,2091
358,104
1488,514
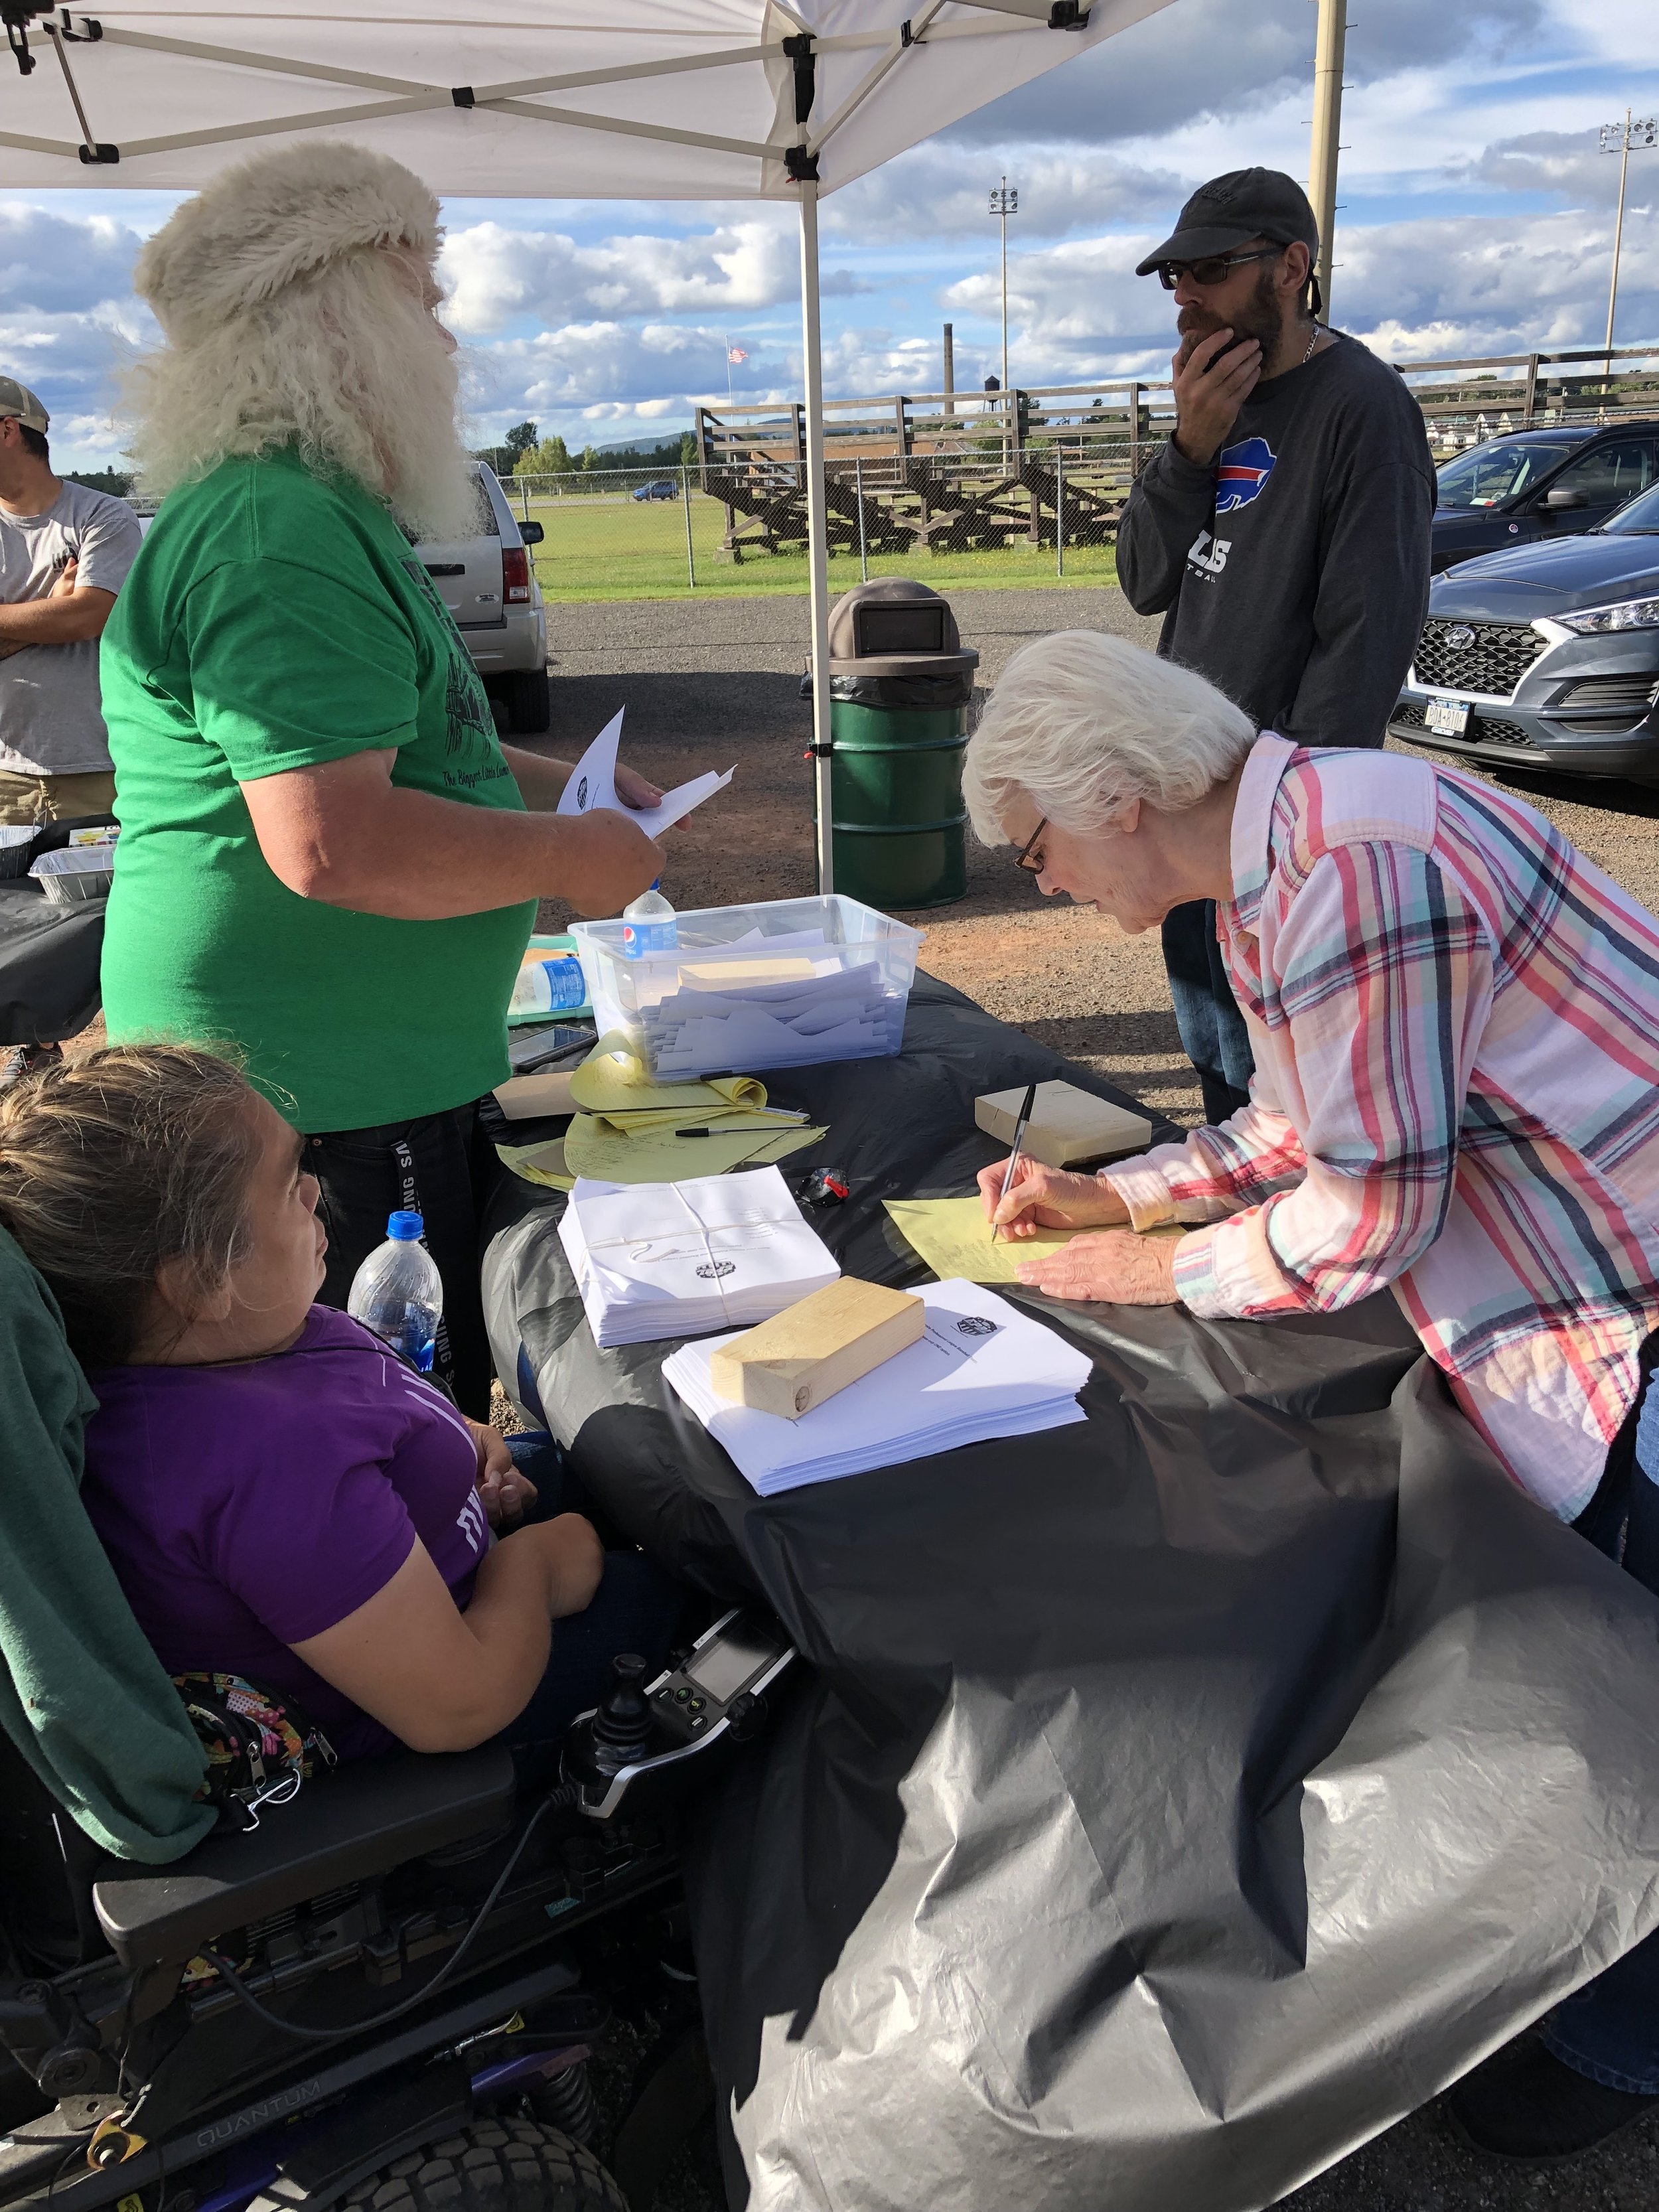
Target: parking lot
710,684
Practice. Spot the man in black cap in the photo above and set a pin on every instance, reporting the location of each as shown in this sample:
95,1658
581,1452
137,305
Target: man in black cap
1283,533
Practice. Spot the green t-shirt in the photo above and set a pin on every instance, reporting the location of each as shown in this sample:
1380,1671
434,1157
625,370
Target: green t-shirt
275,619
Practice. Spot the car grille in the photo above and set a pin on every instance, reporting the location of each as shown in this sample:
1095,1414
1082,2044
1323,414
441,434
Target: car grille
1498,656
1484,729
1634,691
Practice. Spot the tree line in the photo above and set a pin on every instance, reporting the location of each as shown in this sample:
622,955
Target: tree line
524,453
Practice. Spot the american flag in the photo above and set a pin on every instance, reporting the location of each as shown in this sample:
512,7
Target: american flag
735,354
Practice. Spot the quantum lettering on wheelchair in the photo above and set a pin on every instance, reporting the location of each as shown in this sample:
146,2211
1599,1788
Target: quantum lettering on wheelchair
260,2115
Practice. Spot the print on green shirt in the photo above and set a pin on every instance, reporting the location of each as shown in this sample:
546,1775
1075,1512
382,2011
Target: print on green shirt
275,619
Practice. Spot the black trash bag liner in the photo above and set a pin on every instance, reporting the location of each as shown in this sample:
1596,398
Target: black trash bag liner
1177,1798
952,687
50,955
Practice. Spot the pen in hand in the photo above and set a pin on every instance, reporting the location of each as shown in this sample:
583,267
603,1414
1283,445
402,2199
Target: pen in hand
1013,1156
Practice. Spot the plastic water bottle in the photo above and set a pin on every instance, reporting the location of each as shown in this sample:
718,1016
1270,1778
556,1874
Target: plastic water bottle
399,1293
549,986
649,926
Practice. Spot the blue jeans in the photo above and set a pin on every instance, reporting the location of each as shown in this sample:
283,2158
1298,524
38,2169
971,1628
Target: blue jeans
1213,1031
636,1607
1610,2030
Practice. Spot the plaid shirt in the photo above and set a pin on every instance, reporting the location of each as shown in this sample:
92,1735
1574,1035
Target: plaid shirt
1455,1020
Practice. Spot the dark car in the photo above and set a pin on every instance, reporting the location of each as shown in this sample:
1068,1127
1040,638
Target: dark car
1546,656
1537,483
664,487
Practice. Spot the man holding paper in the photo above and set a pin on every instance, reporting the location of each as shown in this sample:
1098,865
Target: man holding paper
328,864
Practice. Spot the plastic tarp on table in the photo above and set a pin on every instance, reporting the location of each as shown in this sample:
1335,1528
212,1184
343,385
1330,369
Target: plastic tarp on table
1176,1799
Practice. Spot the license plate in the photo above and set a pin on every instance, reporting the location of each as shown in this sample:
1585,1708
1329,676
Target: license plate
1448,717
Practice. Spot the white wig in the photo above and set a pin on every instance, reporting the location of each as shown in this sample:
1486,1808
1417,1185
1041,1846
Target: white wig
288,292
1082,722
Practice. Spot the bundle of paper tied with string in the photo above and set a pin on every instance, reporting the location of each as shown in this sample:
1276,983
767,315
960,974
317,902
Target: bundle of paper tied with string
627,1127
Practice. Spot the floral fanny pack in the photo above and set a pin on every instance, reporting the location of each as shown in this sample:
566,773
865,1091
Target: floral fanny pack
259,1748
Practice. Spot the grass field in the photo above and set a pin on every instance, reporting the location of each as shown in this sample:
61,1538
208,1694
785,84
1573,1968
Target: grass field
624,548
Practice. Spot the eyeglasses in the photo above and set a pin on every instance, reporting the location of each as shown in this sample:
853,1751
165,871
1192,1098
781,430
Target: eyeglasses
1213,269
1023,858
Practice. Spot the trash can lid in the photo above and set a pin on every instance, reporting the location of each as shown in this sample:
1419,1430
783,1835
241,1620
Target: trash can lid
893,626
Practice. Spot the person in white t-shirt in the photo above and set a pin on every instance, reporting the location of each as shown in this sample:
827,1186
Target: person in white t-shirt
64,553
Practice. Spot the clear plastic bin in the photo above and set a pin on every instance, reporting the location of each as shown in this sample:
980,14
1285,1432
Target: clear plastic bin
780,983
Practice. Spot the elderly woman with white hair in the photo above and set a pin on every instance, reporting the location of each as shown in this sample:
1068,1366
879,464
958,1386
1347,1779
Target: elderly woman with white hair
327,861
1455,1023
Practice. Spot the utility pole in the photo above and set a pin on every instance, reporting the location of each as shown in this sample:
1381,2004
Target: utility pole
1618,138
1004,202
1327,133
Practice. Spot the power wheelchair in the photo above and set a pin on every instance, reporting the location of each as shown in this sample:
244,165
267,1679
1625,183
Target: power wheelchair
373,1997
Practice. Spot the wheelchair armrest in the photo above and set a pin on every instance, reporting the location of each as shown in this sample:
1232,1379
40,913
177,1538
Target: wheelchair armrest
364,1819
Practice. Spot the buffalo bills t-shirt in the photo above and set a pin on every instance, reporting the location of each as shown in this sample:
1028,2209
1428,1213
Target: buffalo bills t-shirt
246,1508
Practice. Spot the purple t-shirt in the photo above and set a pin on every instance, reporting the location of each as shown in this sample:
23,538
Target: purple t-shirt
246,1508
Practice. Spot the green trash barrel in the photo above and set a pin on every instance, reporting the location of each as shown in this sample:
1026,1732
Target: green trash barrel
900,683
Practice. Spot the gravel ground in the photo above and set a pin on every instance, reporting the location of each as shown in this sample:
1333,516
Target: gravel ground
709,683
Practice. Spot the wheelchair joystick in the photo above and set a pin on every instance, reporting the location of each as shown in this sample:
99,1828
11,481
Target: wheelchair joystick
622,1725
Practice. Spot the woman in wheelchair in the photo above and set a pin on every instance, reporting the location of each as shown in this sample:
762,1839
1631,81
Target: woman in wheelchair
281,1498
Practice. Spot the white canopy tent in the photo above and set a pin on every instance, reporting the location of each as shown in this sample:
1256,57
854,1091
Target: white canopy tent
670,99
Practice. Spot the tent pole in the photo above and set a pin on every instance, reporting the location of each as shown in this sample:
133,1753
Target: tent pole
817,531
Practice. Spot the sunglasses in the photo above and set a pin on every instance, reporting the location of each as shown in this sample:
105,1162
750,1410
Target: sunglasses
1023,858
1213,269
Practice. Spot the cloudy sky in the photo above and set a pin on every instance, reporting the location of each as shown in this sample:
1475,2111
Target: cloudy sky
1476,217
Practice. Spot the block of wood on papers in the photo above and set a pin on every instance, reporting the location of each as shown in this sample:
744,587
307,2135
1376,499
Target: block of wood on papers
1068,1128
816,1347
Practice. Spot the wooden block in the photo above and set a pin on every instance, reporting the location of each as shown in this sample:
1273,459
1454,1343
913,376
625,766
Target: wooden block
1068,1128
816,1347
527,1098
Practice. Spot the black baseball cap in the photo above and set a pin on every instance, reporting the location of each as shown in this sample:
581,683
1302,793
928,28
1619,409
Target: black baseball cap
1229,210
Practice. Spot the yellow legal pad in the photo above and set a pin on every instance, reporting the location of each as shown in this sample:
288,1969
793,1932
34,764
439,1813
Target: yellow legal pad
952,1237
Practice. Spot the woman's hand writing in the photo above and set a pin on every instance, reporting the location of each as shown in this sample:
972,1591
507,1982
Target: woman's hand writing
1046,1198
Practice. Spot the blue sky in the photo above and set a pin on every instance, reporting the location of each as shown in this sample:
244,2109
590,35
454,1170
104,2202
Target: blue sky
1476,217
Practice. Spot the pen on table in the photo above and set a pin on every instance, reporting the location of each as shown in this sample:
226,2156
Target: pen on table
1026,1105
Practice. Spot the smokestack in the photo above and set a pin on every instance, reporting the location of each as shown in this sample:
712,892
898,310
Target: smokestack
950,369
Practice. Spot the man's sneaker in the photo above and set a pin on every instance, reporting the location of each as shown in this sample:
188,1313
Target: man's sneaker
22,1059
1525,2105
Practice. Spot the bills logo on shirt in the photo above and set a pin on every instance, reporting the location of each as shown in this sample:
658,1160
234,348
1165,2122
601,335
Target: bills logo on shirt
1242,473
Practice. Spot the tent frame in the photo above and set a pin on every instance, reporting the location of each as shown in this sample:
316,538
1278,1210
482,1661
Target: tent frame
796,155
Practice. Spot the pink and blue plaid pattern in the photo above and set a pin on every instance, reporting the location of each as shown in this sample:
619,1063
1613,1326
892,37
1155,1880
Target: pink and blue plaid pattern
1456,1019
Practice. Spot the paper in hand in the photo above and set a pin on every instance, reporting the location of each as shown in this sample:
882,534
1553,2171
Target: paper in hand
593,786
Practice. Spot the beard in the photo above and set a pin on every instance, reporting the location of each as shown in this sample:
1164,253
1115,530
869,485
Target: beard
429,477
1258,319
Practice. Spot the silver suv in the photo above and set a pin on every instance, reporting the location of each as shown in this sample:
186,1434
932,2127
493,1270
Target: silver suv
488,584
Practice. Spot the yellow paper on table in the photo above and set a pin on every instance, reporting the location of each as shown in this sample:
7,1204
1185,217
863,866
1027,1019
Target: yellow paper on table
614,1079
540,1164
952,1237
595,1147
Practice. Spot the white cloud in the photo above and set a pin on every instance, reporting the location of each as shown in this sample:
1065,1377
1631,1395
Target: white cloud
940,189
498,277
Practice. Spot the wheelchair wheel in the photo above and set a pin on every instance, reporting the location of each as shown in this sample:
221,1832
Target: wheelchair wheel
493,2166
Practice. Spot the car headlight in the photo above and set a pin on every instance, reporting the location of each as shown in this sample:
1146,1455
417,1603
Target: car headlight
1628,614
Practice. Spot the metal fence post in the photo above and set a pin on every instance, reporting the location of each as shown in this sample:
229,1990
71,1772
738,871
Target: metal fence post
858,493
1059,509
690,555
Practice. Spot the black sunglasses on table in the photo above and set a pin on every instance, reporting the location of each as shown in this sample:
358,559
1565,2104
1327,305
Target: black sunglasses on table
1213,268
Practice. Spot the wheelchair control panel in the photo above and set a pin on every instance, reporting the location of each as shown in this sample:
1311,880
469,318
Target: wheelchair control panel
644,1735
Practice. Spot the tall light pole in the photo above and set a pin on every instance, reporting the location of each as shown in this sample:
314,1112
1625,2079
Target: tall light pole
1327,132
1004,202
1618,138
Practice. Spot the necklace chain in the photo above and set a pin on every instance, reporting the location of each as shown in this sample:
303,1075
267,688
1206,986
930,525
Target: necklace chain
1312,343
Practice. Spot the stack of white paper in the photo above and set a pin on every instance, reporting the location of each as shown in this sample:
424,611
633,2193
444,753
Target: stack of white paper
983,1369
669,1258
825,1011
